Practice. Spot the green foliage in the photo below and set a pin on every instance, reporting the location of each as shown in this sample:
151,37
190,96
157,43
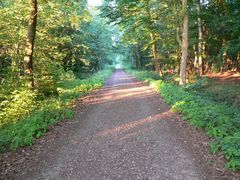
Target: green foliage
230,146
24,119
143,74
36,125
220,121
138,19
69,114
70,37
18,104
71,40
69,90
222,91
199,84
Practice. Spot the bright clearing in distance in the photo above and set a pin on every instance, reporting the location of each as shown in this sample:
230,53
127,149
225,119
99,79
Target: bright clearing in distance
95,2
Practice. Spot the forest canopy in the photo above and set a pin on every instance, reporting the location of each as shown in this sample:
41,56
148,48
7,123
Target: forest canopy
43,44
190,37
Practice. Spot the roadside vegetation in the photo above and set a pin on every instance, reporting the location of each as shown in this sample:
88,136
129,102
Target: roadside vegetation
205,104
173,45
41,114
51,53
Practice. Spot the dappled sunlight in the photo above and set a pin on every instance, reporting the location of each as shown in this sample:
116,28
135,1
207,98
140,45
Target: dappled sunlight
109,89
119,94
128,99
123,78
135,124
129,90
124,89
136,133
122,85
229,75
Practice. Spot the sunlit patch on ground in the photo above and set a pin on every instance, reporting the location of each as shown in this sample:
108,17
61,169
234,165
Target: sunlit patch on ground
136,124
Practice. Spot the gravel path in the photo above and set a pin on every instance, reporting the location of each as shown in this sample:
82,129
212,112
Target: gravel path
124,131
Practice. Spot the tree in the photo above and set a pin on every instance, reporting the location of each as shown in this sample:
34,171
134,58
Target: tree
183,63
28,58
136,17
200,41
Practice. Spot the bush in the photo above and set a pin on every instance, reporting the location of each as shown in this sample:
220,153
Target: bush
23,119
19,104
143,74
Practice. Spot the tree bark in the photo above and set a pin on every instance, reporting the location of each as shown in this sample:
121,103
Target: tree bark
178,38
155,55
238,62
224,56
138,62
183,64
200,41
28,58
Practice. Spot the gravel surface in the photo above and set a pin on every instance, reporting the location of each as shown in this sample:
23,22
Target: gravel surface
123,131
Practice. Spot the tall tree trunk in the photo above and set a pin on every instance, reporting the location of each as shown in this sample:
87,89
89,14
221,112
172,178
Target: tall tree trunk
183,64
155,54
200,41
195,63
238,62
224,56
28,58
138,62
154,45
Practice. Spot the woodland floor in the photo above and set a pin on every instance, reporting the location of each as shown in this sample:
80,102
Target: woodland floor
229,76
122,131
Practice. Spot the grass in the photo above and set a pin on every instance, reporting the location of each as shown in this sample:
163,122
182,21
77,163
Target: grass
201,104
25,118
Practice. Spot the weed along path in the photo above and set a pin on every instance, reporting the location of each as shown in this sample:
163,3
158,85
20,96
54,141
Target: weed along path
123,131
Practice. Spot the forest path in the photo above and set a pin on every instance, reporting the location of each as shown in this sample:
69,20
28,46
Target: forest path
125,131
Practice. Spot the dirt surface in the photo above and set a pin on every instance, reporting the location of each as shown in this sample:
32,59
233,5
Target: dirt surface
230,76
123,131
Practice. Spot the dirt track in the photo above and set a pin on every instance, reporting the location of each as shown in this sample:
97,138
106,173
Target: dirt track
124,131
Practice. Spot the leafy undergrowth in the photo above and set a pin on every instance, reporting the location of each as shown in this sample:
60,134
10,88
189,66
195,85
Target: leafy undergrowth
220,120
222,91
26,118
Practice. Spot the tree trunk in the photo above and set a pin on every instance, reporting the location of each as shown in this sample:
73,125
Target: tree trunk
178,38
138,63
224,57
28,58
195,63
155,55
183,64
200,41
238,62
